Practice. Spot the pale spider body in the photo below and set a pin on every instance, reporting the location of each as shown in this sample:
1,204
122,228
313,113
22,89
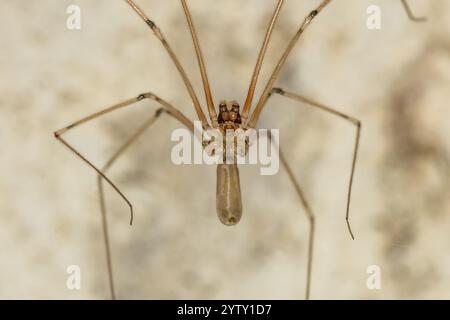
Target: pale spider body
228,191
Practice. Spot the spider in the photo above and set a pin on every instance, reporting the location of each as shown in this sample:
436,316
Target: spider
230,116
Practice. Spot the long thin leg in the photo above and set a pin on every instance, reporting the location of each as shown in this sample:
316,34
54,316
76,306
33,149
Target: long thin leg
157,32
170,109
353,120
131,140
309,215
122,149
410,14
201,63
259,62
265,95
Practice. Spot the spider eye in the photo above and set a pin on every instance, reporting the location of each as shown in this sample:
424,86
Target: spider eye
222,106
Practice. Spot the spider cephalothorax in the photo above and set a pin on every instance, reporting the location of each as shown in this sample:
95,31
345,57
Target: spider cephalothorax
229,115
230,127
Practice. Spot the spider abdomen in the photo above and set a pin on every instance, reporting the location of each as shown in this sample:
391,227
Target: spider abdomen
228,194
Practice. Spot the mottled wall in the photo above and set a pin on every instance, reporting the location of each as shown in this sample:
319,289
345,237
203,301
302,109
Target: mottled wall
396,80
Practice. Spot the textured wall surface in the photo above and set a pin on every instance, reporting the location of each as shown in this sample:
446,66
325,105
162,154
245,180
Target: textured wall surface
396,80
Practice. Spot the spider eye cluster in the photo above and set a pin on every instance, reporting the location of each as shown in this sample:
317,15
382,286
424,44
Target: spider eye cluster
229,112
223,107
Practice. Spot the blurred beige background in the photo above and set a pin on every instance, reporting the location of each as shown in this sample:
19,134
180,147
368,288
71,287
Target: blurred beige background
396,80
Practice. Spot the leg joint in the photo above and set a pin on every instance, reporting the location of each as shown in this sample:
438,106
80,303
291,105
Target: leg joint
147,95
159,111
277,91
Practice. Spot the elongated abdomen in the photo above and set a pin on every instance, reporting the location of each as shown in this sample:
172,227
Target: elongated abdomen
228,194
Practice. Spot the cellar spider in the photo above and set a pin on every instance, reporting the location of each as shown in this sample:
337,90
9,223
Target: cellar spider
228,194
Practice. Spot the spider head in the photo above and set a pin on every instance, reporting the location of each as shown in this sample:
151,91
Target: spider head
229,113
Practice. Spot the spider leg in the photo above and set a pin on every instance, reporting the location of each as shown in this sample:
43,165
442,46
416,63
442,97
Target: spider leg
201,63
352,120
101,172
259,62
131,140
158,33
410,14
309,215
265,95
